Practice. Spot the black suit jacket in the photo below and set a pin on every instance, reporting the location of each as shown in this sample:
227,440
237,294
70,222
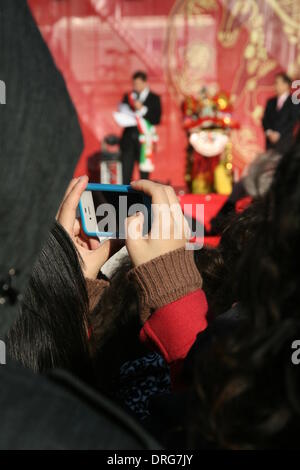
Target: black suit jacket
282,121
130,134
152,102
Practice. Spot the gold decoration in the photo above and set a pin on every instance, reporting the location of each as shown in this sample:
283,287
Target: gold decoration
223,172
200,184
256,61
194,6
199,56
250,51
257,114
252,66
289,13
223,101
251,84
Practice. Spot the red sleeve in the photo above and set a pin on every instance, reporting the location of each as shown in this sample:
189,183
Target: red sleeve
172,329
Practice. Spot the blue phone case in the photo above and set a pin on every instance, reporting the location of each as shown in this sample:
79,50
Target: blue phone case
122,188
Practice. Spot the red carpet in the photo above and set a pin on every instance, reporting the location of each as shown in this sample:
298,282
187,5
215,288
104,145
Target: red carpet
212,203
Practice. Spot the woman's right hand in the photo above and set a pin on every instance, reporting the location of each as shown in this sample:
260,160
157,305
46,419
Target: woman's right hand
169,230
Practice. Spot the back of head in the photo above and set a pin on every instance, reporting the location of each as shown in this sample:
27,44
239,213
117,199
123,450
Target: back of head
282,83
51,330
218,266
115,324
248,388
270,261
141,75
260,173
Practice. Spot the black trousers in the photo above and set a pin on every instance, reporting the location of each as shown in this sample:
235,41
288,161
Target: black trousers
130,149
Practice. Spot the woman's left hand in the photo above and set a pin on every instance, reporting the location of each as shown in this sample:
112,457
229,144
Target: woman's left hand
93,253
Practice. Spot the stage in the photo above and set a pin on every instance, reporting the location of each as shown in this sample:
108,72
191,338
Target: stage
183,45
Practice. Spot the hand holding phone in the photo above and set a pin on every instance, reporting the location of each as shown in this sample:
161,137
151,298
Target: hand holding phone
102,216
105,207
93,253
169,230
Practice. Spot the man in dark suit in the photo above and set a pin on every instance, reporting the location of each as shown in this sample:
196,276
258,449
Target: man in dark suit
146,104
281,116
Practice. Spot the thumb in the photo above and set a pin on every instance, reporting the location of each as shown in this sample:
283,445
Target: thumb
67,213
93,260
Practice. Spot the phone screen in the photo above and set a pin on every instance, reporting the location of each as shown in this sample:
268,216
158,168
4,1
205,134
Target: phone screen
112,208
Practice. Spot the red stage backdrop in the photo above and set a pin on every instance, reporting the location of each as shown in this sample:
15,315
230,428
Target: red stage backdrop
234,45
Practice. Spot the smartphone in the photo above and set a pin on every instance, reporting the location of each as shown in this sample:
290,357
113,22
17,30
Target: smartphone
104,208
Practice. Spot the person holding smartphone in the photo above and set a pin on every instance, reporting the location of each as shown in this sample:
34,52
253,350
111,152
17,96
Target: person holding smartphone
164,270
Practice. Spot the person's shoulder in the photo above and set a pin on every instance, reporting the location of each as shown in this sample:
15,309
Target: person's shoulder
272,100
290,100
153,95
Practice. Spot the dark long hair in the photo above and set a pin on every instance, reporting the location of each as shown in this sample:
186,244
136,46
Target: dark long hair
116,324
246,388
218,266
51,330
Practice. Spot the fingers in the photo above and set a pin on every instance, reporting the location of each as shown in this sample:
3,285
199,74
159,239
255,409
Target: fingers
93,243
134,237
77,228
102,253
95,259
72,183
169,221
67,213
79,242
163,197
171,195
107,249
177,214
155,190
160,204
134,226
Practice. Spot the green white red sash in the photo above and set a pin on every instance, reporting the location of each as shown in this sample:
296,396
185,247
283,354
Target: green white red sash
147,137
